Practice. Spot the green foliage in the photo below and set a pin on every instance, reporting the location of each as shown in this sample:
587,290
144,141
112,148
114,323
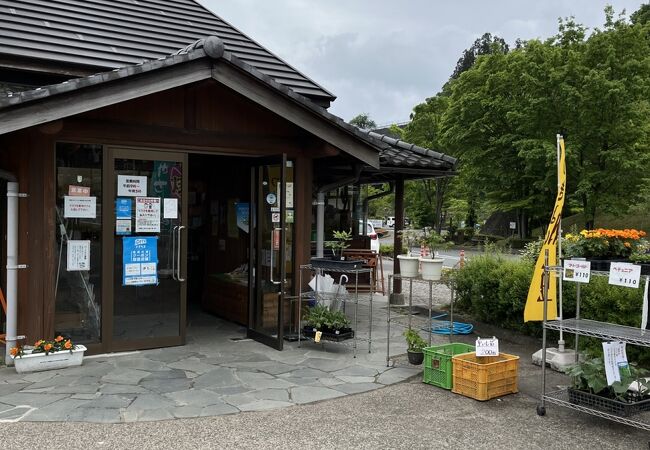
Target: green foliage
589,376
386,249
341,240
414,340
363,121
434,241
322,318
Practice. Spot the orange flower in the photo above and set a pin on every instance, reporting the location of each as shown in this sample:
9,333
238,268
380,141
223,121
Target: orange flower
58,338
38,343
67,345
13,351
47,347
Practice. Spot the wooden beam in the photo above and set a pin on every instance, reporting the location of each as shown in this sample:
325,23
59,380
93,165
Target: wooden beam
92,97
290,110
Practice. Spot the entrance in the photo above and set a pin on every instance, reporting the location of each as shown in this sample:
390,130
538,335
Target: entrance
148,238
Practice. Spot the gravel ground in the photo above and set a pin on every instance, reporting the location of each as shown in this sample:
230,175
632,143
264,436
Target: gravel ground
408,415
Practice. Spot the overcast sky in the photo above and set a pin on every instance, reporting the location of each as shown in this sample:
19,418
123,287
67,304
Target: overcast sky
382,56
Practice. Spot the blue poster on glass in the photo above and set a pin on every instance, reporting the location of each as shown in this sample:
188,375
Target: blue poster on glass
122,208
139,260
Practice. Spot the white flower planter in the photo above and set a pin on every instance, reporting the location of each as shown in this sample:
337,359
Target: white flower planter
36,362
431,268
409,265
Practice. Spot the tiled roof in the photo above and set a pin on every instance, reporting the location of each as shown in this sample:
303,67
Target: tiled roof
109,34
403,154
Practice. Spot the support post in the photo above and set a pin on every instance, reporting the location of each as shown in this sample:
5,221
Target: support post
12,269
320,224
396,296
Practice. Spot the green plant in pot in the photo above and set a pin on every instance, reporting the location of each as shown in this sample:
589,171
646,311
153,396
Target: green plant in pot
340,242
590,380
415,345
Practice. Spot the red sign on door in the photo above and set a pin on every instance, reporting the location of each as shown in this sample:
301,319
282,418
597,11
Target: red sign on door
78,191
276,239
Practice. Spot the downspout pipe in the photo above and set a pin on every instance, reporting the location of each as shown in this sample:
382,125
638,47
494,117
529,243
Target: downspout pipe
320,207
12,262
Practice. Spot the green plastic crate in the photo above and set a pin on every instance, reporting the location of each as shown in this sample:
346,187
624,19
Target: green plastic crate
438,365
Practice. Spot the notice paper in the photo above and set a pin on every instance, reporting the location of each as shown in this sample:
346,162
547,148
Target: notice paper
123,226
147,215
139,260
131,186
123,208
79,207
78,255
615,359
578,271
170,208
487,347
624,274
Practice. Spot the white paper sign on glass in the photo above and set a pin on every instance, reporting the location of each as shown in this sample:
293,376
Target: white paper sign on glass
78,255
289,198
615,359
487,347
624,274
123,226
131,186
170,208
578,271
79,207
147,215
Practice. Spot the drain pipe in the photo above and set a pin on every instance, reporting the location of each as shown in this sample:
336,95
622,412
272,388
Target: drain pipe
320,207
12,262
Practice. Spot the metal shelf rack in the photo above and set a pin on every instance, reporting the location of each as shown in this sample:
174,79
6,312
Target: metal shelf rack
590,328
352,298
430,323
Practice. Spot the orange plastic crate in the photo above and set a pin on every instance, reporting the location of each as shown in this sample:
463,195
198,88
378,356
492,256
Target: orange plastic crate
485,377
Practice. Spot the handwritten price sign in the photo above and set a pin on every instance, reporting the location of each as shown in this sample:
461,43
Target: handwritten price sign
624,274
577,271
487,347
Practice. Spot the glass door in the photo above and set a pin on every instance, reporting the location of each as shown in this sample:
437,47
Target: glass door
147,193
271,243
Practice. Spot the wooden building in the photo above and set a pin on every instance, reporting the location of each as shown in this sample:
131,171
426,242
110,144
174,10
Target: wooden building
159,180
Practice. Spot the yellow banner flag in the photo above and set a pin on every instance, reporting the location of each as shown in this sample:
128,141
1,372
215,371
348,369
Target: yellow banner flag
535,304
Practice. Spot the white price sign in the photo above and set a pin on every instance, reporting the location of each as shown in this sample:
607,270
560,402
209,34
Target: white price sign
578,271
487,347
624,274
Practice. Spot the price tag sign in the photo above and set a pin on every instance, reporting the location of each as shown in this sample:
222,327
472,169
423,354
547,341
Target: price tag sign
487,347
577,271
624,274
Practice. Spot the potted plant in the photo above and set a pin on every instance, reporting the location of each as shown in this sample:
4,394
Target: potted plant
409,264
340,242
45,355
622,398
337,261
432,266
334,325
415,345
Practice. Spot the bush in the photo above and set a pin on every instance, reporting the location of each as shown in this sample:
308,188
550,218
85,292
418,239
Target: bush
386,249
494,290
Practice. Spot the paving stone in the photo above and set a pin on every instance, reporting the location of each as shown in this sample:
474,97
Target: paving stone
308,394
164,385
80,389
183,412
349,379
5,407
281,395
218,410
271,383
252,377
299,381
326,365
192,365
91,368
306,373
35,400
231,390
37,377
357,371
140,363
150,415
329,381
55,412
264,405
356,388
397,375
14,414
6,389
89,380
238,399
86,396
29,390
122,389
166,374
219,377
57,380
169,355
151,401
96,415
194,397
276,367
111,401
125,376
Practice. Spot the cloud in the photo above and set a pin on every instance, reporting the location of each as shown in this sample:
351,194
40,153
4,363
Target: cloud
384,57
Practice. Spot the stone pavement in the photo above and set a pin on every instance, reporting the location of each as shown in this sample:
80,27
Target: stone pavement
216,373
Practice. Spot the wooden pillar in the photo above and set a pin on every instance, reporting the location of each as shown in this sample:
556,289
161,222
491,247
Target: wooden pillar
398,298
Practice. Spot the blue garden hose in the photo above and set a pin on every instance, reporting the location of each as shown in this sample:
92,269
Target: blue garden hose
457,327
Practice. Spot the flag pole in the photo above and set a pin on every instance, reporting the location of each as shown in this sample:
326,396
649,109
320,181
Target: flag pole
560,343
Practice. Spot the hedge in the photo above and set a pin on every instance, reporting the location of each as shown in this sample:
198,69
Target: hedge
493,290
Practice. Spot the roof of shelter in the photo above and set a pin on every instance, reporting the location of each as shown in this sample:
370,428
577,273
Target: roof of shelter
109,34
44,104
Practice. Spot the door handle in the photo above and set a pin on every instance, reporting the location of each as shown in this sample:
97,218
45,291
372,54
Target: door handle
178,255
174,252
272,250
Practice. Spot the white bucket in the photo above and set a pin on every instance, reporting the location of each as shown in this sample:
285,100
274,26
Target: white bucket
409,265
431,269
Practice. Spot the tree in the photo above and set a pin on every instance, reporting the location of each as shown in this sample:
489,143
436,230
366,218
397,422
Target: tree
485,45
363,121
